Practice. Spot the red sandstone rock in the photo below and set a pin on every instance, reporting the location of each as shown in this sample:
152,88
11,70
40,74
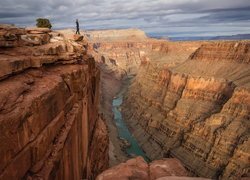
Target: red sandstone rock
49,123
135,168
78,37
181,178
37,39
138,169
166,167
36,30
99,150
196,110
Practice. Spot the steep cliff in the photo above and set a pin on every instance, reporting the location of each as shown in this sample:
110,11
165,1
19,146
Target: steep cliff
196,110
49,98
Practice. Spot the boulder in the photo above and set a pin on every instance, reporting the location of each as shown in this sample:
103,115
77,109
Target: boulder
78,37
138,169
9,35
135,168
36,39
167,167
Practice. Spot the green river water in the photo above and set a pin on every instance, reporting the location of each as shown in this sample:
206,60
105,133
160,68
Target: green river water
123,131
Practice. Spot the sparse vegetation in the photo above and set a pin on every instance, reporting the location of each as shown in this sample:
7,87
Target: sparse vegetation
43,23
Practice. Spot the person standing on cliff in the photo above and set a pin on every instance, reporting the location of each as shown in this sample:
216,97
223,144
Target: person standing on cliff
77,27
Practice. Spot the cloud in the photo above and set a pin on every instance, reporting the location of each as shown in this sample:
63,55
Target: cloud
169,17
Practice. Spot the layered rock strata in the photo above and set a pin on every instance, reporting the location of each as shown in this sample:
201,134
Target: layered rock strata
183,88
114,35
197,111
49,98
127,56
118,59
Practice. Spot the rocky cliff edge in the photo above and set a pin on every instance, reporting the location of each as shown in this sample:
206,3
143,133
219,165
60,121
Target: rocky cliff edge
49,95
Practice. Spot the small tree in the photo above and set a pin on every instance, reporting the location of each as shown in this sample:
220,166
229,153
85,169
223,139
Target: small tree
43,23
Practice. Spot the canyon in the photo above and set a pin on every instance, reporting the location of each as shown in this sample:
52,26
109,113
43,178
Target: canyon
188,100
197,111
186,104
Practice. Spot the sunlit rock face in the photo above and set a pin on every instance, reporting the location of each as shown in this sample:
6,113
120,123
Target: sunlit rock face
189,100
49,97
123,51
119,58
196,110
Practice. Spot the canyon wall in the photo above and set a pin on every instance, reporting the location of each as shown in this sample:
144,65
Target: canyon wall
49,98
189,100
125,56
195,109
120,58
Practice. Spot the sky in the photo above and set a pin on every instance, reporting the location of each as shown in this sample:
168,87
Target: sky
171,18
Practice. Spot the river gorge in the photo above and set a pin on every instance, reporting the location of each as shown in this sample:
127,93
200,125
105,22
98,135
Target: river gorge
86,106
131,146
183,101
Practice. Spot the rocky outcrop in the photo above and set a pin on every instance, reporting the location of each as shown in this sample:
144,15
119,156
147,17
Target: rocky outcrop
137,168
49,98
10,35
197,110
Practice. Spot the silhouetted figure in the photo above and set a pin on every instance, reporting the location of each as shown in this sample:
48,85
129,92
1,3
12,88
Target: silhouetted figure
77,27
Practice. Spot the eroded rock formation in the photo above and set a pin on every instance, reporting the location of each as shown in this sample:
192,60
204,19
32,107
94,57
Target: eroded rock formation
189,100
197,111
49,122
118,59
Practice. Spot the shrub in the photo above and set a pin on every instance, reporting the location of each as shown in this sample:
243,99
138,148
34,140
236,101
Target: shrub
43,23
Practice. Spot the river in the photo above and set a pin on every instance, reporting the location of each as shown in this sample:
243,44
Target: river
132,149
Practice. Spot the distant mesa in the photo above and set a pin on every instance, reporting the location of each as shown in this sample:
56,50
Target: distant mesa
116,34
202,38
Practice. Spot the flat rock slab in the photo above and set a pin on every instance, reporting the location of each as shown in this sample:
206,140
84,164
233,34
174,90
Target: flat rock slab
35,30
78,37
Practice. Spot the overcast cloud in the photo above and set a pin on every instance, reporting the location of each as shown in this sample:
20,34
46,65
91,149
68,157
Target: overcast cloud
166,17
